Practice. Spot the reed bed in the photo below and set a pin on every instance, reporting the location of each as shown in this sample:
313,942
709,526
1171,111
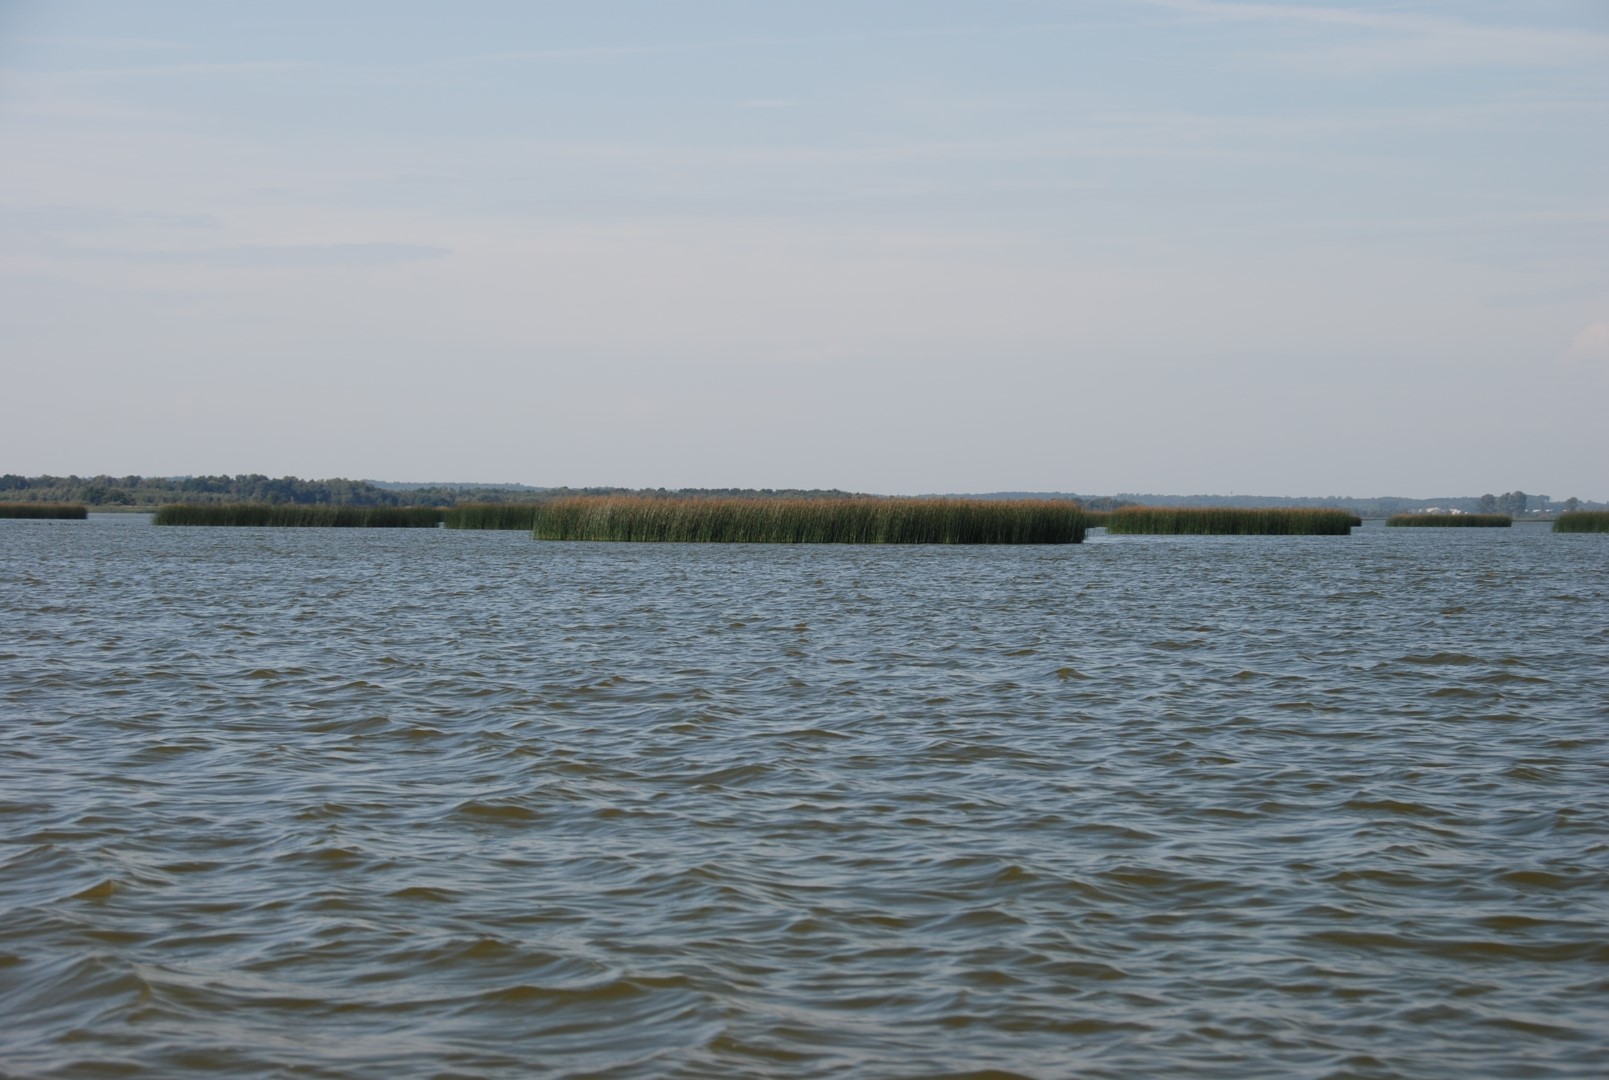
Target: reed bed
1582,521
520,516
853,520
1231,521
47,510
292,515
1450,521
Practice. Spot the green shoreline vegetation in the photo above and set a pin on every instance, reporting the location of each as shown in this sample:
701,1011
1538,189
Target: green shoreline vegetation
515,516
52,511
514,506
852,520
144,494
1450,521
1582,521
297,516
1230,521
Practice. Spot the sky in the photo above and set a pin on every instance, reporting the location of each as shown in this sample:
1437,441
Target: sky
902,246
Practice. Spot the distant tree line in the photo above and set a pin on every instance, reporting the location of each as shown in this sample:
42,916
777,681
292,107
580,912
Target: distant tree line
1513,503
112,492
1104,504
149,491
1517,503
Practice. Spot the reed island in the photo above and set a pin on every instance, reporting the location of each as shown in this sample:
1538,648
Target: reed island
693,519
851,520
765,516
1450,521
48,511
298,515
1230,521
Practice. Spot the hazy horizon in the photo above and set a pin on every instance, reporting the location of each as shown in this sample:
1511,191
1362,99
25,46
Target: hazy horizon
1342,497
1105,246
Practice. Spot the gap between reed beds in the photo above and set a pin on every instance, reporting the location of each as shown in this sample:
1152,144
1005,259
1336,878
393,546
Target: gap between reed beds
52,511
1231,521
292,515
1576,521
858,520
520,516
1450,521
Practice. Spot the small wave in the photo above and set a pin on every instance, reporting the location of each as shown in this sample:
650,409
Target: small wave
1392,806
1540,952
979,919
329,858
101,890
427,893
610,992
1548,881
496,811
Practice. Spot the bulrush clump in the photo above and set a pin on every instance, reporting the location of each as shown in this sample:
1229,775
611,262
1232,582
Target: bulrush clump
1582,521
1231,521
853,520
520,516
1453,521
293,515
55,511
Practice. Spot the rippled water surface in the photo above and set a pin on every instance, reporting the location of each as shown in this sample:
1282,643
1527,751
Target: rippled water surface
375,803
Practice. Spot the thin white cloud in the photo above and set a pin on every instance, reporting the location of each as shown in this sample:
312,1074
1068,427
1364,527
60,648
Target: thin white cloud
593,53
298,255
1153,134
1567,294
1402,39
55,218
242,67
115,44
253,256
1590,347
628,52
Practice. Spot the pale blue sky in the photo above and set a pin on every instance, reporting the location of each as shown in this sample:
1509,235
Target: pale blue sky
1118,245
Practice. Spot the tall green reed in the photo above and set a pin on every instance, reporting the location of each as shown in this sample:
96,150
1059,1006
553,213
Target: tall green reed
293,515
856,520
1582,521
491,516
1231,521
1450,521
44,510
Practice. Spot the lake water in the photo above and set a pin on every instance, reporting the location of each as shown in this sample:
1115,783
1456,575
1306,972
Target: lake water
369,803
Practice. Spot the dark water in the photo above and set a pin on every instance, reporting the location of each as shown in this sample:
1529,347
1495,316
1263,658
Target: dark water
372,803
